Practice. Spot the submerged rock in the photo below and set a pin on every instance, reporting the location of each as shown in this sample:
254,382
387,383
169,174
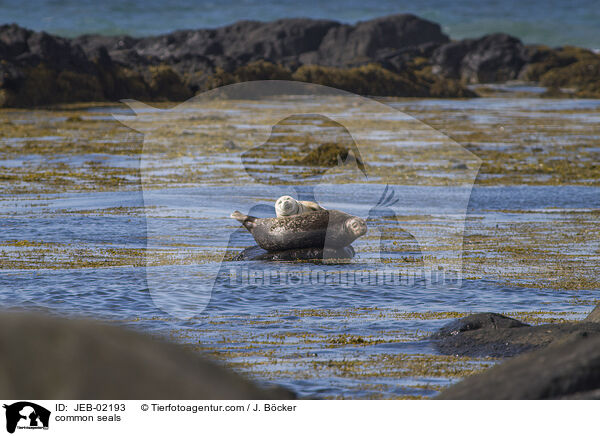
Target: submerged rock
257,253
49,358
567,369
495,335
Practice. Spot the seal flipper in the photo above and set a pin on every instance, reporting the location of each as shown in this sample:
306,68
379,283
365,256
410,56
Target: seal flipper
246,220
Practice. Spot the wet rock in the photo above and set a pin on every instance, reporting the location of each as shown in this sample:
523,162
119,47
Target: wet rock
494,335
307,254
478,321
567,369
493,58
48,358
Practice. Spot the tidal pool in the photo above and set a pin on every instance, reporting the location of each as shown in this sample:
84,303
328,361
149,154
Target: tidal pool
85,231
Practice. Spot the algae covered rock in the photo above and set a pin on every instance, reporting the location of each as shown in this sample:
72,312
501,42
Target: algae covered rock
565,67
567,369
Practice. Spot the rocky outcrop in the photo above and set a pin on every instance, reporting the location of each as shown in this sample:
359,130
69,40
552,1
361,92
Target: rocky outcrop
288,42
567,369
37,68
387,39
398,55
49,358
570,71
495,335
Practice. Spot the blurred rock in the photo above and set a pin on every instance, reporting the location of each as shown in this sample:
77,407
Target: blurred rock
594,316
374,40
49,358
567,369
493,58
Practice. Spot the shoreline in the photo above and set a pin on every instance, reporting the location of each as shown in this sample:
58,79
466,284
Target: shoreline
393,56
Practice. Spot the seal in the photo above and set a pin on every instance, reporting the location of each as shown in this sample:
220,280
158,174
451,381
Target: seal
318,229
287,206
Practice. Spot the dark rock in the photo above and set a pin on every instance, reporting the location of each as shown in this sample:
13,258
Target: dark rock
257,253
567,369
290,42
10,76
50,358
174,66
493,58
494,335
13,40
487,320
373,40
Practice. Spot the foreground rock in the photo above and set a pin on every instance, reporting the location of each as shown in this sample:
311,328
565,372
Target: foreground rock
594,315
48,358
567,369
495,335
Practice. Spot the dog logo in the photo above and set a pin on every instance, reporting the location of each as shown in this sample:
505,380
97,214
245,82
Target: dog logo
26,415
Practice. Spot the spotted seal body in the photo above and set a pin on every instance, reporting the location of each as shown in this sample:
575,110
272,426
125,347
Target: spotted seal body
318,229
287,206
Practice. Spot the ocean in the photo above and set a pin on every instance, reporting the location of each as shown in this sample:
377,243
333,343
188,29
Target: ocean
551,22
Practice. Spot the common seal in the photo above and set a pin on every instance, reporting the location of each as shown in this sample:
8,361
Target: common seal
318,229
287,206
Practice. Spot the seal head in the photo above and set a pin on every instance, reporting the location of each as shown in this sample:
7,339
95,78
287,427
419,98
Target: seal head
286,206
356,226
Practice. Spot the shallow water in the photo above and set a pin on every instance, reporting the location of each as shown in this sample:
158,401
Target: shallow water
292,325
84,253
